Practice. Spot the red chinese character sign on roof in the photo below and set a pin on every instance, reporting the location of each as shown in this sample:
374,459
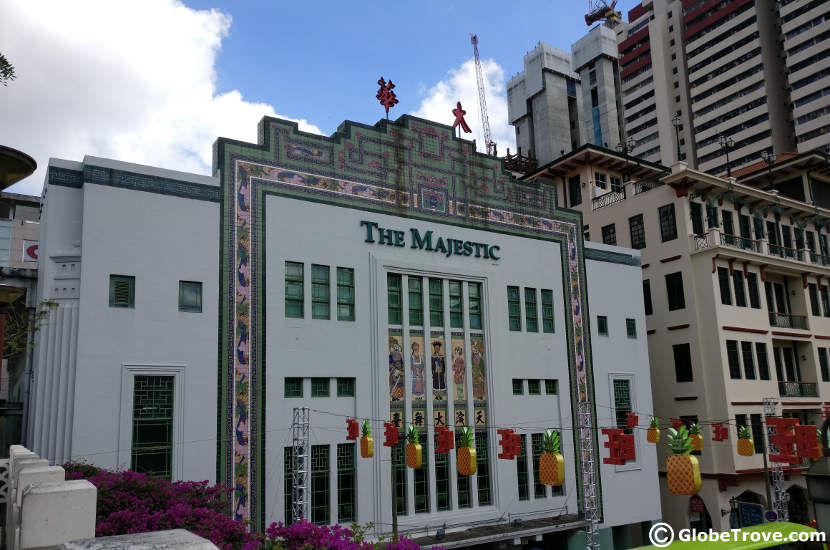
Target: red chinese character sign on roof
385,95
459,118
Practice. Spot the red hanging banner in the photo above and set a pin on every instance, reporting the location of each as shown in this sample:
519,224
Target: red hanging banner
391,434
783,438
445,439
719,432
353,427
806,442
631,420
511,444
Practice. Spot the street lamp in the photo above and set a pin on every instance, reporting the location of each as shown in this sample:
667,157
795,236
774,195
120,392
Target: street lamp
818,482
677,122
626,147
726,144
769,158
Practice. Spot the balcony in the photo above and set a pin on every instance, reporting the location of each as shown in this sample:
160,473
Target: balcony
714,238
785,320
645,185
607,199
797,389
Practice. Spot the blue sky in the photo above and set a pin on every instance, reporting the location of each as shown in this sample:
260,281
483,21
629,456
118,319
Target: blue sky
158,81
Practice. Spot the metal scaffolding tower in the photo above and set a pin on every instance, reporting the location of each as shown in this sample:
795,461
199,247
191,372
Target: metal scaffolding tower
587,468
300,453
779,495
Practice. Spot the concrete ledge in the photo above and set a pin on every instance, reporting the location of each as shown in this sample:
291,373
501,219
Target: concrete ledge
178,539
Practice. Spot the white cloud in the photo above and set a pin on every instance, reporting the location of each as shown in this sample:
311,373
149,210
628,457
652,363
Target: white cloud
134,81
460,85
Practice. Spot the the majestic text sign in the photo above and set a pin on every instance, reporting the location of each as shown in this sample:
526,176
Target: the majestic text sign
429,242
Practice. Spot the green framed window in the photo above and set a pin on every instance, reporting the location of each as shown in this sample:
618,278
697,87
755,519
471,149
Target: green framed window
293,387
294,303
122,291
346,483
537,444
631,328
345,294
399,463
483,468
514,308
416,301
345,387
602,325
749,363
521,470
763,363
725,289
393,298
733,359
190,296
463,482
442,480
320,292
436,303
547,310
518,386
551,387
474,297
531,315
622,403
288,483
534,387
421,477
320,387
152,439
456,305
320,484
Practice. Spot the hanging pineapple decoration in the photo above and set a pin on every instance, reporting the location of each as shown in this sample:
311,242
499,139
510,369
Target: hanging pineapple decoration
466,454
367,442
551,462
682,469
745,445
694,435
414,451
653,432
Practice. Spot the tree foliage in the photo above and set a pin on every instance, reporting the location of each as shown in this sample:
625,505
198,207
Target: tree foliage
6,70
20,326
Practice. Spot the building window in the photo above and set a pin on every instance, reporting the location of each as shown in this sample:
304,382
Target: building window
547,311
537,442
462,482
757,433
320,484
638,232
822,360
814,308
733,359
531,320
399,463
622,403
421,477
697,218
574,191
521,470
668,223
293,387
682,362
534,387
674,291
190,296
825,301
551,387
518,386
474,298
416,301
749,363
711,215
320,387
346,486
456,305
514,308
609,234
752,284
393,298
288,483
631,328
320,292
738,283
647,296
294,290
600,180
616,184
763,363
122,291
442,480
345,294
602,325
436,303
152,440
482,468
345,387
725,292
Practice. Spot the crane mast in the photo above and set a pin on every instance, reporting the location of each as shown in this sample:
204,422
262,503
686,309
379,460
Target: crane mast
482,100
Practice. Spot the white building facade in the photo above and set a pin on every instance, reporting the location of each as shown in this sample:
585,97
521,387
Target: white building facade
387,273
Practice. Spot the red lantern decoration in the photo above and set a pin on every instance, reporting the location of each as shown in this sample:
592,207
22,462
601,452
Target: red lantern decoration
391,434
631,420
353,427
676,423
719,432
806,442
511,444
445,438
783,438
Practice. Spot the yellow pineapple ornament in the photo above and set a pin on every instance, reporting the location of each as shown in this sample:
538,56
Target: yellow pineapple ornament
367,442
653,432
466,454
682,469
745,445
551,462
414,451
696,438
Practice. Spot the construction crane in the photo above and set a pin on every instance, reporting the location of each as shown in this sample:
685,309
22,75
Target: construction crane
482,101
600,10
